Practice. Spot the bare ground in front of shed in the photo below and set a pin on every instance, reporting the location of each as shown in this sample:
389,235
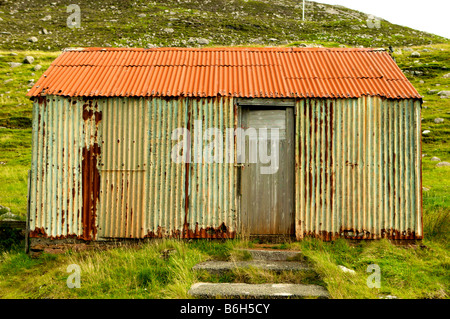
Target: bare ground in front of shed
163,269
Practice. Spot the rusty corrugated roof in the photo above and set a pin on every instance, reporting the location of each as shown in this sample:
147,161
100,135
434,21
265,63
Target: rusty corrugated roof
231,71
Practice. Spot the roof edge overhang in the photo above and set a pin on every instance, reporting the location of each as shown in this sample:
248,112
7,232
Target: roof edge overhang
419,97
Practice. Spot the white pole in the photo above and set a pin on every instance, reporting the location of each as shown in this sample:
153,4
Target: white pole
303,10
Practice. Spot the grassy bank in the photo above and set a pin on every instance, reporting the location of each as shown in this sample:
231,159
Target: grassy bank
162,269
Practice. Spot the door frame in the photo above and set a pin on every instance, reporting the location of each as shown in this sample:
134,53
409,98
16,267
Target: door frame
269,103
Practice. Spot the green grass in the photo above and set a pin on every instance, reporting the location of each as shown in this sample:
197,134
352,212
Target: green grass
125,272
436,201
410,273
15,152
113,23
15,126
15,111
143,272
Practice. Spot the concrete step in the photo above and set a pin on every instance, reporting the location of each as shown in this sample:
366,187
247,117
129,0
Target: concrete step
251,291
220,267
272,254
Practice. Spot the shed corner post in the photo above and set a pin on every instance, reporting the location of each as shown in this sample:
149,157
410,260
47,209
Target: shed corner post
188,109
36,117
420,168
297,171
27,229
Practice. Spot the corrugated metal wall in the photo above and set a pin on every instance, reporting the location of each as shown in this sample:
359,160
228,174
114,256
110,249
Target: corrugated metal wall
212,186
123,166
58,139
102,168
165,180
358,171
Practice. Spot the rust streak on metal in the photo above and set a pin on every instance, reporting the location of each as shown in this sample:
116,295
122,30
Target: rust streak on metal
39,232
90,176
186,181
362,234
63,219
332,184
221,232
87,113
91,190
98,117
310,155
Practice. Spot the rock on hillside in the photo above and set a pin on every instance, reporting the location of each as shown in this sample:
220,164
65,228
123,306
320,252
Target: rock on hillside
140,23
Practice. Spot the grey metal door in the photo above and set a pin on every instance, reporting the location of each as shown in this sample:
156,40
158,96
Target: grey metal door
267,202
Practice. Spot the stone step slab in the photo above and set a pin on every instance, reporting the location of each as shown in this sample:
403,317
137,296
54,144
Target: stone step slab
257,291
221,267
266,254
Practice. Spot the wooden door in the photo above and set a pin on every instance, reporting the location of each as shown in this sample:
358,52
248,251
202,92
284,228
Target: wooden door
267,202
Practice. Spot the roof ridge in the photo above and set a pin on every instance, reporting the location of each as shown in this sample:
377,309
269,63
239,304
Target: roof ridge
206,49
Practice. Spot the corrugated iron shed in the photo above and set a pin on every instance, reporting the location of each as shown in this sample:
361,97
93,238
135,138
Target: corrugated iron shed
237,72
102,124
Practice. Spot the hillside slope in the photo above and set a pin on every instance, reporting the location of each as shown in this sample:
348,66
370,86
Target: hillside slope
141,23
